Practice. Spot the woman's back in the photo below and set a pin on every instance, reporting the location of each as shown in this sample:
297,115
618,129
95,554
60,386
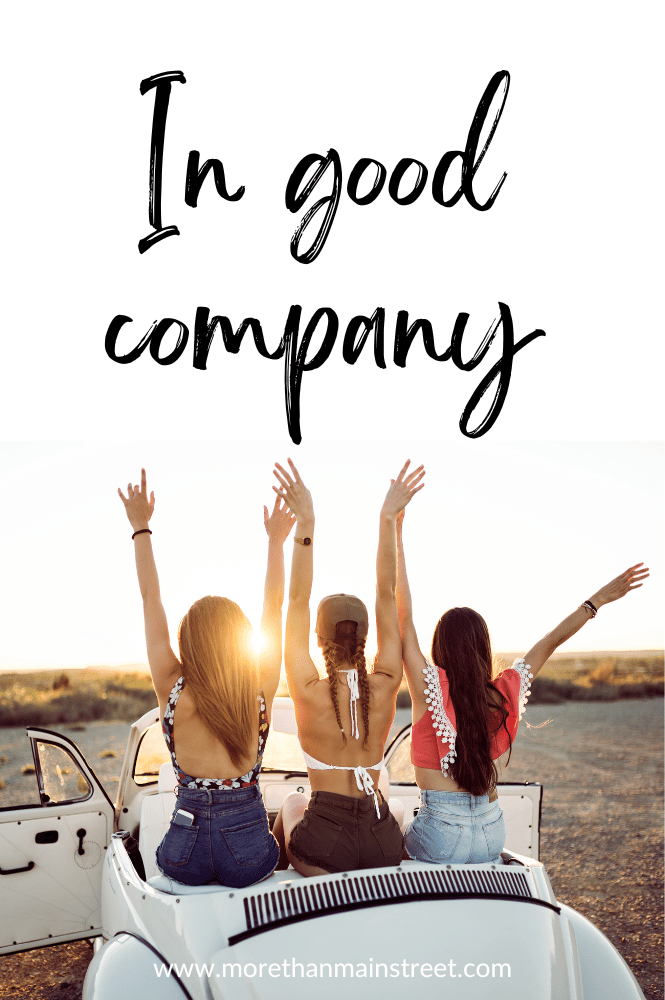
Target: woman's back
320,735
199,752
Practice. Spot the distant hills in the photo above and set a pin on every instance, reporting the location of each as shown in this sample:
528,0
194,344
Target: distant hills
52,697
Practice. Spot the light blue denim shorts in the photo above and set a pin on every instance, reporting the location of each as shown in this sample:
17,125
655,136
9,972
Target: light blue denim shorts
456,828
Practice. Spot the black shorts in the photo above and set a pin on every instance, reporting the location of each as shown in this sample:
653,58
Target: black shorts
340,833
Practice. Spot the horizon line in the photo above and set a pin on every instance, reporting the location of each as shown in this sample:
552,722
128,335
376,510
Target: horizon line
142,665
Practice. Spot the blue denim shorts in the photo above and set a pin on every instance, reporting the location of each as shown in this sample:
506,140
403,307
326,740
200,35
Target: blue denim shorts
456,828
229,842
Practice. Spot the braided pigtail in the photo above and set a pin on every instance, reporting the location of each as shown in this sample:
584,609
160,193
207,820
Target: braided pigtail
331,655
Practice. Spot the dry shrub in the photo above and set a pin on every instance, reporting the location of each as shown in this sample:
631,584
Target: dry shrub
85,704
603,673
545,691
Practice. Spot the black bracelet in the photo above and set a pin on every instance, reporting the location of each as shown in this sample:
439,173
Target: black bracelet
141,531
590,607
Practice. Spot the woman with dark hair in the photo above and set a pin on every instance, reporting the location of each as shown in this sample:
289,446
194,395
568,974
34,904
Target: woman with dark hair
214,704
346,824
465,719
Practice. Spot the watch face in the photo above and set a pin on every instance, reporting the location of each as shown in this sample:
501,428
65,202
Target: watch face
307,541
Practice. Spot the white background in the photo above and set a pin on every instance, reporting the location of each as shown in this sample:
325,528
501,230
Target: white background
570,244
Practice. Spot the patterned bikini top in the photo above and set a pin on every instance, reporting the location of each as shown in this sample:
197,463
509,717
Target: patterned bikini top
225,784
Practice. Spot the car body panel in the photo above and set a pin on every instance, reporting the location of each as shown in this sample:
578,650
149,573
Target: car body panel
204,930
603,970
165,940
126,968
398,950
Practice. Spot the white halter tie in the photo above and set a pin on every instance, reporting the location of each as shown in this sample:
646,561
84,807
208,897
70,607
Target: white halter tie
354,694
365,784
361,774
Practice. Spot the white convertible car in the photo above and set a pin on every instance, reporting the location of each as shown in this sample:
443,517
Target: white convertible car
78,866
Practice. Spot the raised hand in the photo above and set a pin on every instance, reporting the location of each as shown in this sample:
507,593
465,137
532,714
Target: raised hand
294,492
620,585
137,505
402,490
279,523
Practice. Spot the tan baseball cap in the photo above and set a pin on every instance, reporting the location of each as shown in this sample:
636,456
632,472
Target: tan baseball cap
341,608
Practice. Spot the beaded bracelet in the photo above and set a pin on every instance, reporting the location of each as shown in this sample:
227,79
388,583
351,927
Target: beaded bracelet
589,607
141,531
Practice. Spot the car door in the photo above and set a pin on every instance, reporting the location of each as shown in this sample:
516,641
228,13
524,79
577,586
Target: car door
52,854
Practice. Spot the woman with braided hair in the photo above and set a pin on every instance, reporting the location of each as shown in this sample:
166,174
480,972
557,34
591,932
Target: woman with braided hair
346,824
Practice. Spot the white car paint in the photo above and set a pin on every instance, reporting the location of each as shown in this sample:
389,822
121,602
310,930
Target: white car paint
413,918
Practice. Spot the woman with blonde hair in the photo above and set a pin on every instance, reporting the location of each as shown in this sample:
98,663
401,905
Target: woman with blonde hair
465,719
214,704
346,824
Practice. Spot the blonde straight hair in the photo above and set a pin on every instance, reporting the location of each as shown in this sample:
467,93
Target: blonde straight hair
221,673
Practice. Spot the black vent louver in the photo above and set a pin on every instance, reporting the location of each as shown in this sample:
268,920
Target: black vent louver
307,898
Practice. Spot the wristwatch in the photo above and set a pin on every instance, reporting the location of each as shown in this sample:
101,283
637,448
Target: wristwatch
303,541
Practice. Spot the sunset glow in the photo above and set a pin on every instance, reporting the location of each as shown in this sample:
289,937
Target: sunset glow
258,640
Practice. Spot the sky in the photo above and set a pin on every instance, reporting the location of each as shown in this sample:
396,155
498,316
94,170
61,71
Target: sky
522,532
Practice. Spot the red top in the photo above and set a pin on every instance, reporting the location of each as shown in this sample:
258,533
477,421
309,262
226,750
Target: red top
433,736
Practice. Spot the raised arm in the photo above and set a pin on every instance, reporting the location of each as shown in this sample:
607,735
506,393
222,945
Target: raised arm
539,654
300,669
278,524
414,661
164,664
389,656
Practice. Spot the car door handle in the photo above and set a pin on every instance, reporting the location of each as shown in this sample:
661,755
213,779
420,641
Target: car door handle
46,837
13,871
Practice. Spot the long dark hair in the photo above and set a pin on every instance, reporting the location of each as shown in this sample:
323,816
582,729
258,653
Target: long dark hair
461,645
